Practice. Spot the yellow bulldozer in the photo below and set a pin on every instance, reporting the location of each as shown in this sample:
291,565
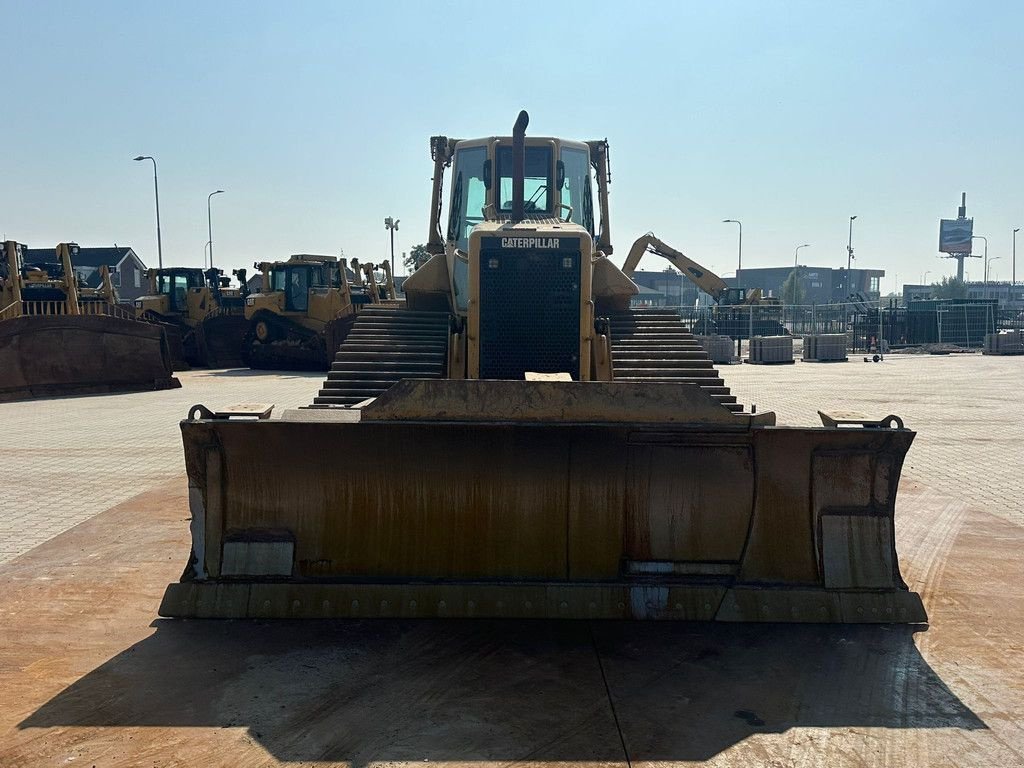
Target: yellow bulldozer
561,455
58,337
302,312
203,316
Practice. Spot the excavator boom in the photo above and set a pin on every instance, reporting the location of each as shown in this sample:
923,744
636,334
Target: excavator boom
703,278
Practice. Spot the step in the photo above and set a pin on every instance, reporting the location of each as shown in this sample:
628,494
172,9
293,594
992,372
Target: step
438,347
660,354
345,354
643,364
387,365
664,369
702,382
341,380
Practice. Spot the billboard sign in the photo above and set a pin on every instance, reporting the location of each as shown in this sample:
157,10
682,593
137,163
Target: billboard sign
955,235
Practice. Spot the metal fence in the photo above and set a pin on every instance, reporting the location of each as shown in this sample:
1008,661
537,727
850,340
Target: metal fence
962,324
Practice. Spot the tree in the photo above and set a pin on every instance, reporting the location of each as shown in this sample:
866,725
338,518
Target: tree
949,288
415,258
792,290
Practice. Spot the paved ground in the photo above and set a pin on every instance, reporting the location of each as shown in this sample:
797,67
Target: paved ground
68,459
966,409
91,679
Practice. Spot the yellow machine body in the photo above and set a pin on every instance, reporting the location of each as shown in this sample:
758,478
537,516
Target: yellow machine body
204,318
60,338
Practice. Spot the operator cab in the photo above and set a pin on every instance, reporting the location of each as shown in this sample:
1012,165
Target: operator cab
558,186
176,283
296,280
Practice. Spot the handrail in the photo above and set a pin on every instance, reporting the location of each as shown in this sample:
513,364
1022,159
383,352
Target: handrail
59,308
11,311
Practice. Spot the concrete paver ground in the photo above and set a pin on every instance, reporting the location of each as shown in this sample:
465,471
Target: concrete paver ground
71,458
90,678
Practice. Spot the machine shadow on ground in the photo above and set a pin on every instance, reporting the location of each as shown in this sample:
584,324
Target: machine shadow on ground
360,691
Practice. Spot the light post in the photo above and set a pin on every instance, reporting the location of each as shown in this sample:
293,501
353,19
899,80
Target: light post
924,277
984,292
849,256
796,253
392,225
987,260
156,194
205,246
209,222
1013,273
739,260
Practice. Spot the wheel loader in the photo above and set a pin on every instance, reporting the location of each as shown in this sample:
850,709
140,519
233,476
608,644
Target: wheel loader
203,316
58,337
558,454
301,314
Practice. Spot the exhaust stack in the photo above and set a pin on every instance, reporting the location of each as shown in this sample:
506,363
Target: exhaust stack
519,165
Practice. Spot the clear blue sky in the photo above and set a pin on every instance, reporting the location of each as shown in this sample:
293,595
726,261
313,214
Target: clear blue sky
315,118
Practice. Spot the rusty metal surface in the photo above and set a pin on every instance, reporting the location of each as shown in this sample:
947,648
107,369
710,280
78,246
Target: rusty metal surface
49,356
90,679
548,402
526,519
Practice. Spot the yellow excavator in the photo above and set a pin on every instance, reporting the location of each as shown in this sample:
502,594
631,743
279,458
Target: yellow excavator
302,312
732,316
58,337
561,455
203,316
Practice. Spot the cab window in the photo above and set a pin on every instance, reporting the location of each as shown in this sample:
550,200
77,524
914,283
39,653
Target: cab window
176,287
297,290
469,194
536,181
576,188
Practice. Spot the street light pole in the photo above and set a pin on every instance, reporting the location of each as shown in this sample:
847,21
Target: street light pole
984,291
1013,279
739,260
209,222
156,194
392,225
849,256
797,252
924,278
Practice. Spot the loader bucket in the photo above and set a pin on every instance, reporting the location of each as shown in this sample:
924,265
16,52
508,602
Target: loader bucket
56,355
542,499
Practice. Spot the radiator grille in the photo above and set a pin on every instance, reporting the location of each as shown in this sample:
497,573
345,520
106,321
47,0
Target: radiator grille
529,311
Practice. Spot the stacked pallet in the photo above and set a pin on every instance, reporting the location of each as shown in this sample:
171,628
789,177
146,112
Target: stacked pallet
771,350
721,349
1005,343
825,348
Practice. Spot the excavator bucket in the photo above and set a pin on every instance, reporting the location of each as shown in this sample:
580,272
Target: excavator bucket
542,498
60,354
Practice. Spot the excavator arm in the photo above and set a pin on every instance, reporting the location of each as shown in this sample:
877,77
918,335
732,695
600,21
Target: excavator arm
703,278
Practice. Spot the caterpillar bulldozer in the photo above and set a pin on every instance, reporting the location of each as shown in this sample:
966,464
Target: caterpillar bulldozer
561,454
203,316
302,312
58,337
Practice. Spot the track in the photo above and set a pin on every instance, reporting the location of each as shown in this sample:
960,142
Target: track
386,344
653,345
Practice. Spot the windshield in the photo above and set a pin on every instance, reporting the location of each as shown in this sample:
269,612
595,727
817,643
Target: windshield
537,181
469,194
574,173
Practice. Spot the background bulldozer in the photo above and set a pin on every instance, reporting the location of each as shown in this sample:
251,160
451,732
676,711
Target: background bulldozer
57,338
203,316
302,312
561,455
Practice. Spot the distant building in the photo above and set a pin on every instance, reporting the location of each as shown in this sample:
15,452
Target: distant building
1008,295
820,285
675,289
128,273
649,297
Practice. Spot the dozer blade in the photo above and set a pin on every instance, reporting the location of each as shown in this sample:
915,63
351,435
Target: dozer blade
220,339
542,499
55,355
